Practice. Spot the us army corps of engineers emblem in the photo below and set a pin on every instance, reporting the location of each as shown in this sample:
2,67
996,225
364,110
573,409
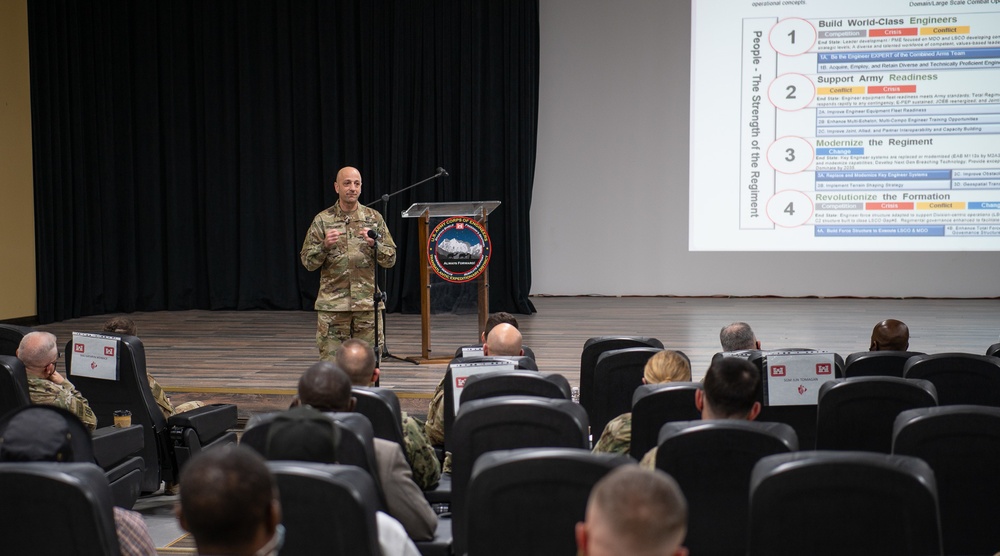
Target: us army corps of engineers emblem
458,249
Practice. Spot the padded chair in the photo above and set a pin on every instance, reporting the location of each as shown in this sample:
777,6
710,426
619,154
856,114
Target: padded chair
507,423
381,407
167,443
960,378
712,462
993,350
117,451
877,363
858,413
515,383
961,443
72,498
616,376
476,350
10,338
592,350
528,501
835,503
327,509
656,404
519,362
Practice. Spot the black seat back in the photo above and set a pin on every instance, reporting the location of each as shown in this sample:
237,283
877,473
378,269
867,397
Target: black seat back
515,383
877,363
960,378
476,350
656,404
858,413
961,443
326,509
479,365
833,503
381,407
73,496
617,374
592,350
553,482
712,462
993,350
10,338
506,423
13,384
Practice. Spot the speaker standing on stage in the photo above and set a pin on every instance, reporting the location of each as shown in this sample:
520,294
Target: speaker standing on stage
338,243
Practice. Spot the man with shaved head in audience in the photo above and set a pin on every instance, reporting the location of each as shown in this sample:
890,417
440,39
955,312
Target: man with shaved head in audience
890,335
737,337
40,355
634,512
358,361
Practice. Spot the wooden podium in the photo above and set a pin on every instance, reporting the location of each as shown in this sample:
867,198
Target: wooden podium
424,212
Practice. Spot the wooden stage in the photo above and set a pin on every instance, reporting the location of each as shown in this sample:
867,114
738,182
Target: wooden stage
254,358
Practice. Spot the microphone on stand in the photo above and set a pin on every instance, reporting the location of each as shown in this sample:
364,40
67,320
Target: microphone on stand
441,171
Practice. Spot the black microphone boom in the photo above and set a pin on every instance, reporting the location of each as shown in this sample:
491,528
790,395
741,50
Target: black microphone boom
441,171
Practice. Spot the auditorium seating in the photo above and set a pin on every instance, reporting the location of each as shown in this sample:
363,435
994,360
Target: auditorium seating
960,378
327,509
476,350
712,462
617,374
515,383
592,350
10,338
528,501
474,365
13,384
381,407
167,443
835,503
858,413
877,363
993,350
961,443
56,508
656,404
506,423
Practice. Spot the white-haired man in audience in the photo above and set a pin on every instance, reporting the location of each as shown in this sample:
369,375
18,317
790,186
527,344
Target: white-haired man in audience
738,336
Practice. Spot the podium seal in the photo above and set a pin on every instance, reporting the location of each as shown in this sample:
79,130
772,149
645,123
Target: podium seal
458,249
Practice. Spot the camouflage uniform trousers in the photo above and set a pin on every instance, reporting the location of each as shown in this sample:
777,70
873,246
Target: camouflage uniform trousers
163,402
434,427
423,461
63,395
335,327
617,436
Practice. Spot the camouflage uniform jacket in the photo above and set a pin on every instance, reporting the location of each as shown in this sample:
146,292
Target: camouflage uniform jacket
423,461
63,395
162,401
347,280
434,427
617,436
648,461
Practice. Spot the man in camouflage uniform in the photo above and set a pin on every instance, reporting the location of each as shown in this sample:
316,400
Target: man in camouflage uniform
357,359
664,366
39,353
338,243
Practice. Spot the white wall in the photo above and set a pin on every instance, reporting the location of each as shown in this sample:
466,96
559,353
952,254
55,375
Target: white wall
610,204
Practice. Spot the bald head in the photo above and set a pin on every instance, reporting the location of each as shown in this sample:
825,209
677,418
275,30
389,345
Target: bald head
37,350
738,336
504,339
326,387
348,187
890,335
634,511
358,361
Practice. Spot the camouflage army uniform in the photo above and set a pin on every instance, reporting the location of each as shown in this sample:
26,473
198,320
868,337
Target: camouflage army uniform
434,427
423,461
163,402
617,436
63,395
347,281
648,461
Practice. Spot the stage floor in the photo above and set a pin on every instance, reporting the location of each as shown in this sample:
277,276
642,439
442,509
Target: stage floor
254,358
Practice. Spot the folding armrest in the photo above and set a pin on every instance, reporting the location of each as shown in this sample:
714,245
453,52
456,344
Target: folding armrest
113,445
209,422
440,545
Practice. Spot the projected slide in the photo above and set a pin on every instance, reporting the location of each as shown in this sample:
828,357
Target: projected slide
848,126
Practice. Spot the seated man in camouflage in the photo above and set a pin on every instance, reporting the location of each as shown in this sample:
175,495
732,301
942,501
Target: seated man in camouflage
358,361
40,355
662,367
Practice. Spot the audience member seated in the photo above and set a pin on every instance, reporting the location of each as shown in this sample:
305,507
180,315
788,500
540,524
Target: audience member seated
37,436
434,427
730,392
125,325
635,512
326,387
738,336
229,503
358,361
665,366
890,335
39,353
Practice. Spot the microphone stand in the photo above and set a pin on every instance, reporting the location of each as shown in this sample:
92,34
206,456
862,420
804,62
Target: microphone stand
379,295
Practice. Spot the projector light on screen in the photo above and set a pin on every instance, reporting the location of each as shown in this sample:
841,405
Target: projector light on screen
845,126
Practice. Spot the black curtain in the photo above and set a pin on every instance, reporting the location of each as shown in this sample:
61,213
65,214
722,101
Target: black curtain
182,147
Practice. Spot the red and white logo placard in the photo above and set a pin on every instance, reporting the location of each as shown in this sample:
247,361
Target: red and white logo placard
95,356
794,377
